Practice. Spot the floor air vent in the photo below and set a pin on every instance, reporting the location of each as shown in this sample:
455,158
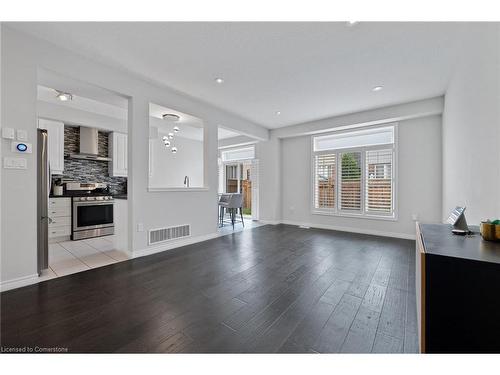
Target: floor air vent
167,234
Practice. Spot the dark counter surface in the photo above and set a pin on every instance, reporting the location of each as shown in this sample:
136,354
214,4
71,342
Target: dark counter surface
438,240
70,195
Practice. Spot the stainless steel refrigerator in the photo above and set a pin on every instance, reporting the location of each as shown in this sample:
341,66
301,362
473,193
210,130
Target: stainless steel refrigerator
43,177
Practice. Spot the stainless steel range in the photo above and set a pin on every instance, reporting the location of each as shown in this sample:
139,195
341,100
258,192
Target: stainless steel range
92,210
92,217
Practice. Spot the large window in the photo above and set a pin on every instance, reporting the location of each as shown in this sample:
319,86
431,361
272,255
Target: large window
354,173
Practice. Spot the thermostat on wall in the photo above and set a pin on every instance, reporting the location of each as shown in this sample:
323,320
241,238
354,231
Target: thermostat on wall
21,147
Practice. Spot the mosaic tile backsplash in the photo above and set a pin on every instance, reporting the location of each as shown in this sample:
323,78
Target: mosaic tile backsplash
88,170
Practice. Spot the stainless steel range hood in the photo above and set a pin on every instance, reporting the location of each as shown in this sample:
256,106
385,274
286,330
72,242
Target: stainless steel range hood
89,145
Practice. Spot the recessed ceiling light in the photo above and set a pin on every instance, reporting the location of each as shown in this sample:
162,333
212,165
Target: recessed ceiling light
64,96
352,23
278,113
219,80
171,117
377,88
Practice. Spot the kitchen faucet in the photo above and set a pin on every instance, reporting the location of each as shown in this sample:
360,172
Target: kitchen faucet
186,181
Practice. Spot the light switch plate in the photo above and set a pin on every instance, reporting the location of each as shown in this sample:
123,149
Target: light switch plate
8,133
15,163
22,135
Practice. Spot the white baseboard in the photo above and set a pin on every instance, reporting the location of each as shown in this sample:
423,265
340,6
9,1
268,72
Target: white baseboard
173,244
271,222
353,230
18,282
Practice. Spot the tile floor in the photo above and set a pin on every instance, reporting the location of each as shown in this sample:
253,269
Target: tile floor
238,227
74,256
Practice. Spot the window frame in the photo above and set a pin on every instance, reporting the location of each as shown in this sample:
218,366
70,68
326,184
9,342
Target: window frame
363,214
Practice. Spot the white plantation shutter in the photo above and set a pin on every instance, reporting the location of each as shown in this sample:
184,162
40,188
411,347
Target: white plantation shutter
354,172
324,181
378,181
350,181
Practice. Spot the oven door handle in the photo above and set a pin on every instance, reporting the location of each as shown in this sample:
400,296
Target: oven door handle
93,203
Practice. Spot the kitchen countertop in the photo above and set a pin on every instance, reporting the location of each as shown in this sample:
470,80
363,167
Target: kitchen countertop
438,240
65,195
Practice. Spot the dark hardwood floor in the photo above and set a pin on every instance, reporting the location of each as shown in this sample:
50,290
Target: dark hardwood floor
268,289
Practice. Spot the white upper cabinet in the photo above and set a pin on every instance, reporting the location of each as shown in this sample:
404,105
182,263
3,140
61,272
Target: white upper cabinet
118,152
55,132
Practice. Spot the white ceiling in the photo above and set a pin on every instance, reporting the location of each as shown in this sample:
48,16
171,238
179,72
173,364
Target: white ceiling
307,71
49,95
190,127
156,110
81,89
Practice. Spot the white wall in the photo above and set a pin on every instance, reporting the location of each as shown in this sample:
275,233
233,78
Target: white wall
18,258
269,155
398,112
169,169
1,143
22,55
285,162
236,141
471,127
418,180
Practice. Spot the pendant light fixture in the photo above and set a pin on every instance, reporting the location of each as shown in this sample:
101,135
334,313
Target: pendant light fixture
171,117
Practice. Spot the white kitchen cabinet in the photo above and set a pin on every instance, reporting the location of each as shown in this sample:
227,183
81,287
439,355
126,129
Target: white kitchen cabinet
55,132
118,143
59,218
